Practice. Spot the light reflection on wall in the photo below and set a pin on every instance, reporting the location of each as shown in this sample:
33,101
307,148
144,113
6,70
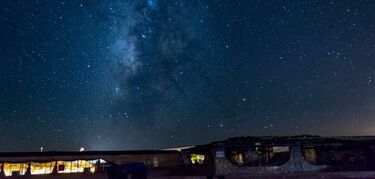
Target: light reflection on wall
197,158
14,169
41,168
77,166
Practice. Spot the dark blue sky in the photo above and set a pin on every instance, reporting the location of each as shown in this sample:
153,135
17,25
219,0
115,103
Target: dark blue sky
118,74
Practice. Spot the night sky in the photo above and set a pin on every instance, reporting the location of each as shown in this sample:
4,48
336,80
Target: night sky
149,74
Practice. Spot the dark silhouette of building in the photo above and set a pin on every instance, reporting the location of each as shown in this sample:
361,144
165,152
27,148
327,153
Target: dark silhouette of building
284,156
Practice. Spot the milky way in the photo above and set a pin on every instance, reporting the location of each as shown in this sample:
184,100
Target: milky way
117,74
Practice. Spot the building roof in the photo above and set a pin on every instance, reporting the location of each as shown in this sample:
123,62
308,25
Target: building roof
76,155
314,140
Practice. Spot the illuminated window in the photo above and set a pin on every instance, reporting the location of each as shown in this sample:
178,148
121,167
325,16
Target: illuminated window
197,158
77,166
238,158
41,168
309,154
257,156
15,169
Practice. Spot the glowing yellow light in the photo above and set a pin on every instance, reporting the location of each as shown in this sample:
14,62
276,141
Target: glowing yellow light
15,169
77,166
41,168
197,158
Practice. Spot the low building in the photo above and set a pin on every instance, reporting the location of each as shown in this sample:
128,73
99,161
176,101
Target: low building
83,164
241,156
269,156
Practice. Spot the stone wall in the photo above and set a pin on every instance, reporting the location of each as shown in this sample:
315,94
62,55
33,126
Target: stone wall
295,164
